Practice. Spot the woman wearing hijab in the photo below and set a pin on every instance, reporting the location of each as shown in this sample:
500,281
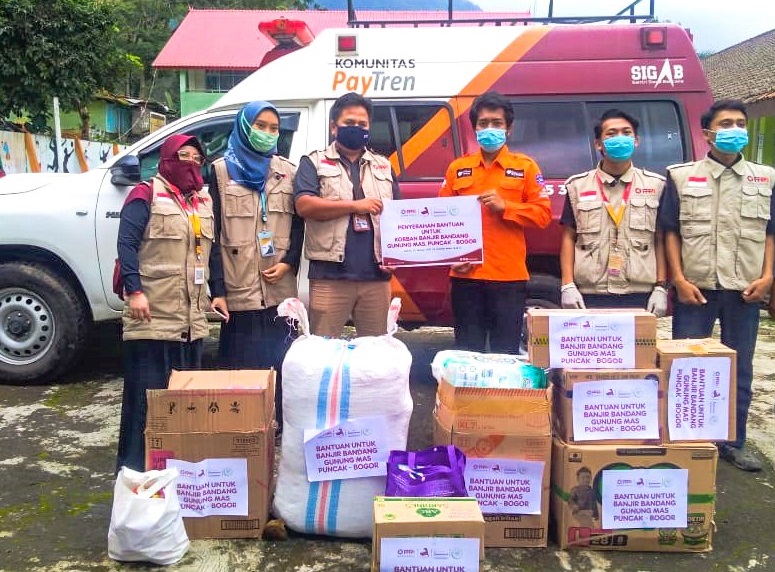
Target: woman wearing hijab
261,241
167,251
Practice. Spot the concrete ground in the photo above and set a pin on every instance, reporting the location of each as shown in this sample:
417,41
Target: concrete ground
57,452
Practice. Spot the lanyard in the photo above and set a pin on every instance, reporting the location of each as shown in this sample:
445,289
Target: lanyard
192,211
617,213
262,198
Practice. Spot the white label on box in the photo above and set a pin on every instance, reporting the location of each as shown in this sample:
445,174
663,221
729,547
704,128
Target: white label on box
698,399
212,487
620,409
429,554
592,341
645,498
505,486
353,449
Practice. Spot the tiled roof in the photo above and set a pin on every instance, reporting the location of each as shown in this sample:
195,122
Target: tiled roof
229,39
744,71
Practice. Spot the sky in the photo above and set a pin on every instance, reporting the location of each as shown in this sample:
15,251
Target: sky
715,24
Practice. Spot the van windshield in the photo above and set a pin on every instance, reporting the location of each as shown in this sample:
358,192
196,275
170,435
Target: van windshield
560,134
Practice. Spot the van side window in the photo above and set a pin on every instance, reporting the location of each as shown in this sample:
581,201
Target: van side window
560,135
417,138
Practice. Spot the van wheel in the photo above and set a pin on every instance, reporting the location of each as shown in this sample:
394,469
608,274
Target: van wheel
532,303
43,324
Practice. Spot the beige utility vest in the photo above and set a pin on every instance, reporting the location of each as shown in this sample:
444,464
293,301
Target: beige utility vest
167,257
241,223
724,214
598,238
325,240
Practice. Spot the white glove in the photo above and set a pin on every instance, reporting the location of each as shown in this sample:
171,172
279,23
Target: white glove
571,297
657,303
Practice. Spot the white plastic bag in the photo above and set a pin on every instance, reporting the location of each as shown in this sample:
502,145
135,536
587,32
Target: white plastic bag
144,527
326,382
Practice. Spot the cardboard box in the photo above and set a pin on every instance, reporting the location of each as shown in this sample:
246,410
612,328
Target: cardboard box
222,400
591,339
584,528
217,415
504,530
566,381
490,410
401,517
695,404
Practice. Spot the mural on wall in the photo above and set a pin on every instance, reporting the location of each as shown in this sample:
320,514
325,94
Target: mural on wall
15,158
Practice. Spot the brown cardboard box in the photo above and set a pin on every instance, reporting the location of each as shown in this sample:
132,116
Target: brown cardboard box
565,380
504,530
217,415
584,529
425,517
491,410
670,350
539,347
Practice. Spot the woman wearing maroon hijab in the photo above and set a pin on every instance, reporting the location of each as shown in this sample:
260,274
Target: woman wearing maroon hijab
168,253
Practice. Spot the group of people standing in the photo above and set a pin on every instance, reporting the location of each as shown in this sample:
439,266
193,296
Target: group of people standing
237,249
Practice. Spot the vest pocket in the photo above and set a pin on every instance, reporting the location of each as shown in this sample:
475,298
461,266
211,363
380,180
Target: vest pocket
589,217
167,226
750,254
238,220
643,213
696,204
641,263
756,202
696,251
237,201
280,199
586,264
162,285
240,269
330,184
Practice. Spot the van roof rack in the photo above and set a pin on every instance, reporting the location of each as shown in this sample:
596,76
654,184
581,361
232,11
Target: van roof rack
626,14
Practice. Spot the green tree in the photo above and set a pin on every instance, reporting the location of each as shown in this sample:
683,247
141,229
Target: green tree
64,48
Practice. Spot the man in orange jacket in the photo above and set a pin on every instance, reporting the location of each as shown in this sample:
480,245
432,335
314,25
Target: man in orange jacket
489,298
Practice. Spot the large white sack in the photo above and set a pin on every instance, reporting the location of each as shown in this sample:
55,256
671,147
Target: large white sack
326,382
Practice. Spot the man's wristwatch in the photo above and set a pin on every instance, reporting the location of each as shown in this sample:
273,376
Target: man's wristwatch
664,284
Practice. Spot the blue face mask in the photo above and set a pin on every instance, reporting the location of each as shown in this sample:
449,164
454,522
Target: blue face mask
731,140
619,147
491,139
352,137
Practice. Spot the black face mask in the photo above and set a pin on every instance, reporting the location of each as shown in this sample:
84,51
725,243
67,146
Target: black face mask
352,137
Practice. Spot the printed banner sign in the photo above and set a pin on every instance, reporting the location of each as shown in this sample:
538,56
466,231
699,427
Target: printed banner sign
353,449
212,487
698,398
505,486
619,409
592,341
429,554
645,498
431,232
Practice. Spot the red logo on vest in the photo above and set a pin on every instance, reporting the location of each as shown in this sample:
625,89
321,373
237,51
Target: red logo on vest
753,179
640,191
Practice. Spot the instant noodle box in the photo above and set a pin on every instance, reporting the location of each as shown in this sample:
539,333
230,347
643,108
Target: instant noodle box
592,339
670,488
430,517
218,428
613,403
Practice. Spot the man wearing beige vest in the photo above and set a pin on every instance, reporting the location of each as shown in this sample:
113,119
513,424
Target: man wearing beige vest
339,192
611,255
716,213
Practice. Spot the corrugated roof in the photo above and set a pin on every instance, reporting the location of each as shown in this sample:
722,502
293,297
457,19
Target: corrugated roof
744,71
229,39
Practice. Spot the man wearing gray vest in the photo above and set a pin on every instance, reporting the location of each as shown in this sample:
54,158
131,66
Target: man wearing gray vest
611,255
716,214
339,192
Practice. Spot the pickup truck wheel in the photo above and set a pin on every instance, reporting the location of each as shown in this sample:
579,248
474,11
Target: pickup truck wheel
43,324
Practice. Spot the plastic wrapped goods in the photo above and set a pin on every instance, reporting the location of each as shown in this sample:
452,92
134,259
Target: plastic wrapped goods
472,369
327,382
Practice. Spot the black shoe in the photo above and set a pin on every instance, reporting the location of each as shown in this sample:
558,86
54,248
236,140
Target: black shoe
744,459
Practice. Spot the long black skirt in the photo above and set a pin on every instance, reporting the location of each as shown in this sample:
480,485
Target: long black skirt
147,365
256,339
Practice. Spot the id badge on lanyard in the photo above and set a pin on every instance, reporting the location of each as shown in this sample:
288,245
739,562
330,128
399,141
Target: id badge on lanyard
361,223
615,258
